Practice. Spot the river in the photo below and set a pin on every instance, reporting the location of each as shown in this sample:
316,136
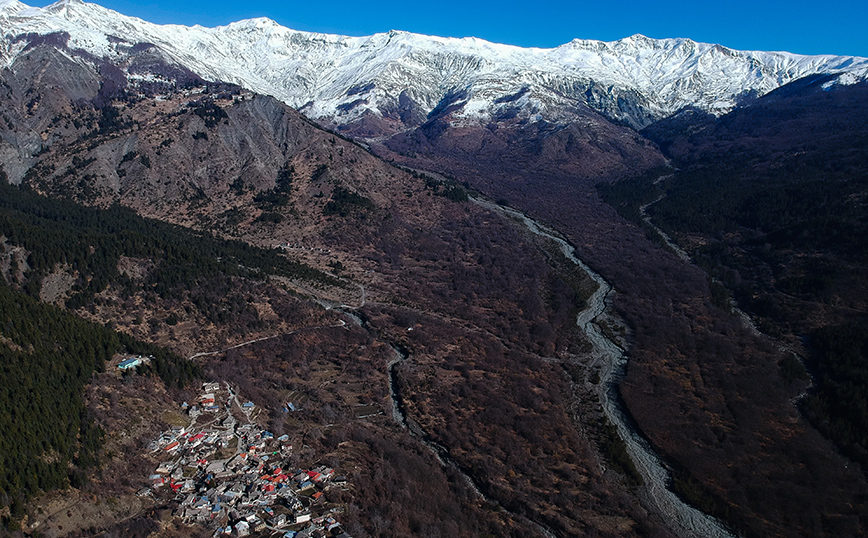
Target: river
684,520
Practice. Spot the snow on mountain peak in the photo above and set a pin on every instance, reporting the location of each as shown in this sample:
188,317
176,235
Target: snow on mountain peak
259,23
636,79
62,5
11,7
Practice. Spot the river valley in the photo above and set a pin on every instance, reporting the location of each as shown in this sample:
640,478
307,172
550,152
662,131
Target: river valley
611,359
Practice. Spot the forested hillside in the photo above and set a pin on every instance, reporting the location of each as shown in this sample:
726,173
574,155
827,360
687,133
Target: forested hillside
47,356
90,242
771,201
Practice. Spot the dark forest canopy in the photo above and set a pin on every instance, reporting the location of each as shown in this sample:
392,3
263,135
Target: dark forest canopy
47,356
91,241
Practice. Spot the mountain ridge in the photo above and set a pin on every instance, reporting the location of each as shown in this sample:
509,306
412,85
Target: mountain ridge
635,80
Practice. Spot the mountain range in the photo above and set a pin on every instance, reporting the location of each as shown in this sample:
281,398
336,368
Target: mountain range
397,79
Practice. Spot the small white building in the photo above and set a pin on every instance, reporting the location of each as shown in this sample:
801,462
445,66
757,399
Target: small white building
130,363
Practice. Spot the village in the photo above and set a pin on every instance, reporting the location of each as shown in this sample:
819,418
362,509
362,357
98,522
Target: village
226,473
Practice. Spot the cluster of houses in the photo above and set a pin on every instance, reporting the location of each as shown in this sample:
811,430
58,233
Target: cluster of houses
246,490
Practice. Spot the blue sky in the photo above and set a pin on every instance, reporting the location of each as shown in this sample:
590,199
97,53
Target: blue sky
830,27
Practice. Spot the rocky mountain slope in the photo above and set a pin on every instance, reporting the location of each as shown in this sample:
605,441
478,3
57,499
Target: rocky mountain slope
410,95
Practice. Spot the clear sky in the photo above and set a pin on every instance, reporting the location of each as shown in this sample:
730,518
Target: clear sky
800,26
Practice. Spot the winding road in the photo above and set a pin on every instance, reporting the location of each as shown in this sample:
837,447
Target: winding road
341,323
745,318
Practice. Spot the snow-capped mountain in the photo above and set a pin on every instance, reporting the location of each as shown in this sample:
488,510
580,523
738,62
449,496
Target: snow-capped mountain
402,78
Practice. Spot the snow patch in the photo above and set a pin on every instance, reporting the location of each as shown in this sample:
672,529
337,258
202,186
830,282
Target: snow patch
845,79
